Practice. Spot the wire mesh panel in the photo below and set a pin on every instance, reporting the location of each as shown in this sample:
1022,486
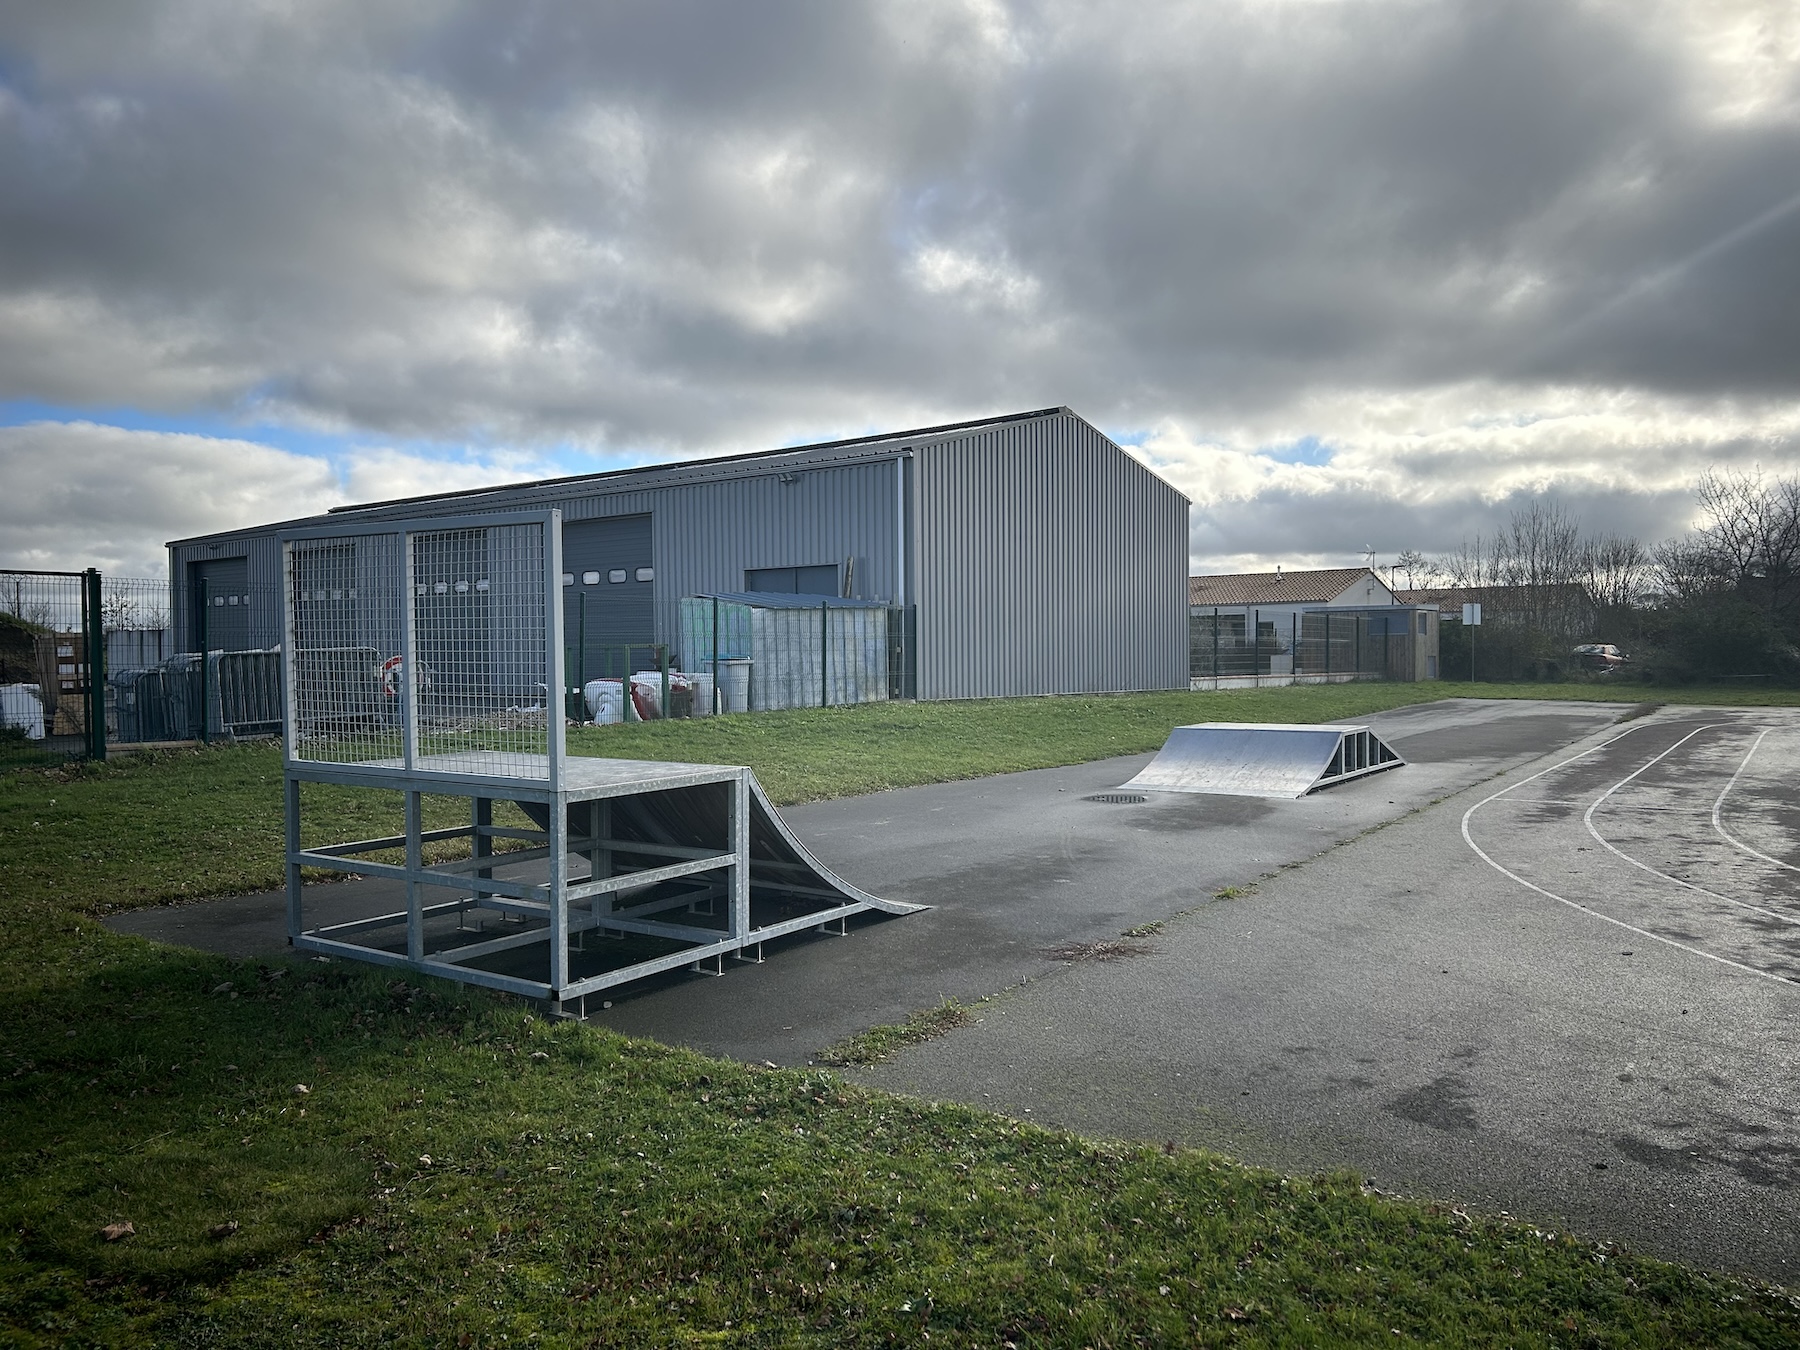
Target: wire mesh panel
485,688
428,648
346,596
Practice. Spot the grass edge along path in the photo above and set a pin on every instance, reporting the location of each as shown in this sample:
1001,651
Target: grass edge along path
310,1153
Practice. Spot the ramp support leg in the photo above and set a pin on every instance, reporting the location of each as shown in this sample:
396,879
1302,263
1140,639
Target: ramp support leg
415,863
292,823
738,921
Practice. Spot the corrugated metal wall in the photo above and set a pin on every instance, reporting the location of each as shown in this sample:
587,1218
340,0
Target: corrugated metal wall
1042,558
1050,562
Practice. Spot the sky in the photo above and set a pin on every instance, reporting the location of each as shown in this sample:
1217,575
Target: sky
1353,274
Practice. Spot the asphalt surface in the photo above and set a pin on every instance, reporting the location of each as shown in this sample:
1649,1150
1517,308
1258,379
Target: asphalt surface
1387,999
1613,1052
1013,867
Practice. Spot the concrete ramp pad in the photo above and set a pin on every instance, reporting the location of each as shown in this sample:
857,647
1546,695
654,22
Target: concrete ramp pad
1251,759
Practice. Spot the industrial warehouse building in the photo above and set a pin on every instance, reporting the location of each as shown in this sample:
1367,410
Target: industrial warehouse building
1026,554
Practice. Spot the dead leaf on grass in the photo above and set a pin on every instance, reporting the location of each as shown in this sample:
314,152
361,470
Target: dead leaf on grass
113,1232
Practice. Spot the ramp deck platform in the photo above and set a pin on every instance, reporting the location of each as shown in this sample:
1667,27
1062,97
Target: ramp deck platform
1262,759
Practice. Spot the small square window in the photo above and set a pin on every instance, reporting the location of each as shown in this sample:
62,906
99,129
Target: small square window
646,574
568,578
616,575
218,602
482,584
590,578
462,588
231,599
441,588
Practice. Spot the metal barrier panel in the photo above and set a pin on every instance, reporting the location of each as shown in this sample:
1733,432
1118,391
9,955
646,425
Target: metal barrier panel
345,599
427,647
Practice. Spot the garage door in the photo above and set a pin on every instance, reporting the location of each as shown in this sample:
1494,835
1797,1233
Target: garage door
225,585
607,577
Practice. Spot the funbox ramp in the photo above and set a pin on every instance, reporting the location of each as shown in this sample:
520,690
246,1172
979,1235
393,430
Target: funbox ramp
1249,759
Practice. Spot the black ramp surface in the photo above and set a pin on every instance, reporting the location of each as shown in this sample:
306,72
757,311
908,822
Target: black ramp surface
695,817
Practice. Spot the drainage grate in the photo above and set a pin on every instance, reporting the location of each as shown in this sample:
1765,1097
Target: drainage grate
1117,798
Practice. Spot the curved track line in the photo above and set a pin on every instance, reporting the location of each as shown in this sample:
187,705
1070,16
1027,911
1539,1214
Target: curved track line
1587,819
1719,825
1469,839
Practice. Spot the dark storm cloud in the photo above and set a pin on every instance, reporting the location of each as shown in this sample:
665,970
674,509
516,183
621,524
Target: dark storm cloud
696,226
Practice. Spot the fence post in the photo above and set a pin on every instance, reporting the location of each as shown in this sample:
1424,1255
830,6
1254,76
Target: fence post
581,655
824,654
94,634
205,622
718,702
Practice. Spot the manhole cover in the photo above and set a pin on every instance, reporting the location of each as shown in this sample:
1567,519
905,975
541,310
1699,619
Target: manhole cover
1117,798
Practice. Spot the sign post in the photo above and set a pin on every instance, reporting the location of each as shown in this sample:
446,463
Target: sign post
1472,619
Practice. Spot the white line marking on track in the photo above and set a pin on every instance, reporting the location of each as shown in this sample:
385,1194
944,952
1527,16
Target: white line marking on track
1587,819
1719,825
1469,839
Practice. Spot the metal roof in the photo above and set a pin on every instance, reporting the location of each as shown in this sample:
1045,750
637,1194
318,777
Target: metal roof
1277,588
643,476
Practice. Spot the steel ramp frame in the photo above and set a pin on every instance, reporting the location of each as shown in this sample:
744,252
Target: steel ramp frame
471,606
628,885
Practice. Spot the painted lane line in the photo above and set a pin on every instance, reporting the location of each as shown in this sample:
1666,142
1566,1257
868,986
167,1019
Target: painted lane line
1481,853
1588,820
1719,825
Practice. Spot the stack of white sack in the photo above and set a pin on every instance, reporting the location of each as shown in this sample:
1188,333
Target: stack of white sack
605,700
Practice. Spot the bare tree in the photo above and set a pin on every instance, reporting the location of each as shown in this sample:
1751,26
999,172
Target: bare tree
1617,568
1749,541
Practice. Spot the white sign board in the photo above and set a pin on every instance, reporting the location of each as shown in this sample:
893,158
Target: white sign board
1472,615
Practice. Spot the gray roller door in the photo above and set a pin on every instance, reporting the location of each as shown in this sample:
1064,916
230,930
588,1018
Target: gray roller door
608,566
225,583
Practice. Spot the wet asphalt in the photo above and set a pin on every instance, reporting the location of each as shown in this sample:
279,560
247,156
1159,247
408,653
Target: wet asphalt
1384,1000
1580,1055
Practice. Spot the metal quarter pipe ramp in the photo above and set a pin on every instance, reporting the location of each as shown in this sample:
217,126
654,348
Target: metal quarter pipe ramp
424,660
1250,759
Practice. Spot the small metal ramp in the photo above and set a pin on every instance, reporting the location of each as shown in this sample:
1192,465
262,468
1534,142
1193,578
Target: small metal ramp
1251,759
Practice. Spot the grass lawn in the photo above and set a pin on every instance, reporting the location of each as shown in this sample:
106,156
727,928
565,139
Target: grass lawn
315,1153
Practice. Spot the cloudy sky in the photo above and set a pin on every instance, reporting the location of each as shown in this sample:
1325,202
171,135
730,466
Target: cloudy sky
1352,273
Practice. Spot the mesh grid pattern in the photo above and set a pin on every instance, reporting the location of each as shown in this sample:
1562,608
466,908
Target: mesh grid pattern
480,626
480,674
344,597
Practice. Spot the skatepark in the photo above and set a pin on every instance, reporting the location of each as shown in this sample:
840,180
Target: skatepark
1528,970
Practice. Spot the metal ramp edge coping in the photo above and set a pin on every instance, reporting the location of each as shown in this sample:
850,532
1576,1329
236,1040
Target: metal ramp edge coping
1264,759
662,802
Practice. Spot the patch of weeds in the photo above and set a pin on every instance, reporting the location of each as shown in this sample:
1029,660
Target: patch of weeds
1144,930
1233,892
879,1044
1106,949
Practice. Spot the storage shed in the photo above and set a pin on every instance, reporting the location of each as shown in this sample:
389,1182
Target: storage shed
1018,555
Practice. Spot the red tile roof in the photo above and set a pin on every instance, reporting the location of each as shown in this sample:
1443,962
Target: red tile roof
1276,588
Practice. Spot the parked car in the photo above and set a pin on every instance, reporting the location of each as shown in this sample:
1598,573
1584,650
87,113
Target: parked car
1599,657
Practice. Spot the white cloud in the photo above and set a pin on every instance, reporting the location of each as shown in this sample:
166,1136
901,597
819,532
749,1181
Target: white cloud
79,494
